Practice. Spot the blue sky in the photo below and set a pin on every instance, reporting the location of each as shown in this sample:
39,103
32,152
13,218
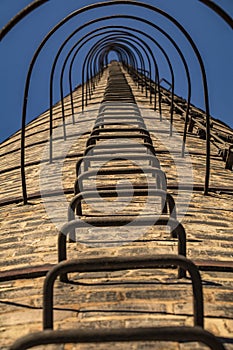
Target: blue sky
212,36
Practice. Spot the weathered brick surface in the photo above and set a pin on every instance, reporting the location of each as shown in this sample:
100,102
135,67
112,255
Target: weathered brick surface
119,299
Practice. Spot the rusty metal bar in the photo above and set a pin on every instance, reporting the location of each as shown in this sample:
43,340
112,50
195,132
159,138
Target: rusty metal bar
118,148
92,140
41,270
139,130
216,8
177,231
125,117
86,160
167,199
122,263
25,272
20,15
229,158
100,124
168,334
155,172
